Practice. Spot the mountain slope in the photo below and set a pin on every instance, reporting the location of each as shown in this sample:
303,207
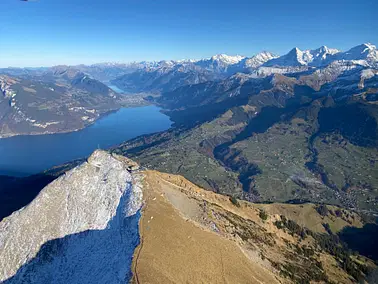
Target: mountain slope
240,132
163,78
366,51
222,240
61,99
83,228
176,248
167,77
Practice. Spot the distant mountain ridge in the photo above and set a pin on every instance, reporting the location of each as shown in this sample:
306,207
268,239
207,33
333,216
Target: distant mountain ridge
221,66
222,62
319,69
312,57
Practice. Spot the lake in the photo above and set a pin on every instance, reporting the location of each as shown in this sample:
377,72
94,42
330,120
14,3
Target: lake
30,154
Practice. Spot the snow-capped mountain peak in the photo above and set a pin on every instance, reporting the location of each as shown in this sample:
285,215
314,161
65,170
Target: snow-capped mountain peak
222,65
229,59
258,59
297,57
323,51
219,63
366,47
294,57
302,57
321,56
365,51
265,55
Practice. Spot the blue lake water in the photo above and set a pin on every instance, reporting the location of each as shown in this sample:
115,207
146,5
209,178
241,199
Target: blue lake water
24,155
116,89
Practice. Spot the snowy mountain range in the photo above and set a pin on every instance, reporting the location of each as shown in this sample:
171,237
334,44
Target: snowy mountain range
168,75
365,53
316,67
295,57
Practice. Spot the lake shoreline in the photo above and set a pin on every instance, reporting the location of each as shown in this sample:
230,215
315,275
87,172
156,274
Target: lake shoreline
129,101
62,131
101,116
34,153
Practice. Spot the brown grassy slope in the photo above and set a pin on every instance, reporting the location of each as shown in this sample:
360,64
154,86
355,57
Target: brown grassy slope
195,236
307,216
175,250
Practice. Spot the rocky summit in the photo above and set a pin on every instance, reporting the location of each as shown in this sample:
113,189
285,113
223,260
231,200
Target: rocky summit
81,228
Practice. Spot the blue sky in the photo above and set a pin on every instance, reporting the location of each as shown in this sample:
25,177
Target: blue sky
51,32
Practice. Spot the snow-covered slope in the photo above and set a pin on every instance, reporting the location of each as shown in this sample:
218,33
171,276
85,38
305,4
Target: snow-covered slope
329,73
81,228
164,79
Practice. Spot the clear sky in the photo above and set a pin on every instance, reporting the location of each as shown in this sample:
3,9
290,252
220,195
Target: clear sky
51,32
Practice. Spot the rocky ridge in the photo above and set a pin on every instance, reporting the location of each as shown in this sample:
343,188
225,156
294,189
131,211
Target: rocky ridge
83,227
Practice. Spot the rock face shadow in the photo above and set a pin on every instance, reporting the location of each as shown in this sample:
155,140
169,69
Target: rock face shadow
92,256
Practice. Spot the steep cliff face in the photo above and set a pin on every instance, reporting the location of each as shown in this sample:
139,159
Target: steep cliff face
81,228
